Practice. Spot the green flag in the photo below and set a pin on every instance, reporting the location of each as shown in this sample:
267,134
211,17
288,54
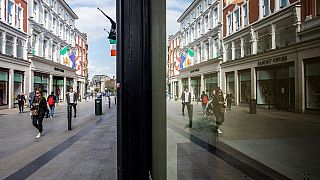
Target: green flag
190,53
63,51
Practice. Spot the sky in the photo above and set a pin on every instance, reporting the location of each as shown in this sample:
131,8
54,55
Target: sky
93,22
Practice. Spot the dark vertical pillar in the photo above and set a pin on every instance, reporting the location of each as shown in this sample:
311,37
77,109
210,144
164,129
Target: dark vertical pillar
134,116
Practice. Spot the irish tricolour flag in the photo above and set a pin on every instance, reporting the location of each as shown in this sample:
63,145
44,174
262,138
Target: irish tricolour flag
64,56
190,55
113,47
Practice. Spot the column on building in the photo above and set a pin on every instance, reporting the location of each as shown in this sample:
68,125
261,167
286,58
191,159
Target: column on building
273,36
202,87
64,88
219,76
253,83
11,88
202,50
50,83
31,80
242,47
50,49
189,85
41,39
180,88
25,76
210,48
254,42
4,41
224,49
300,101
236,88
15,46
25,49
233,50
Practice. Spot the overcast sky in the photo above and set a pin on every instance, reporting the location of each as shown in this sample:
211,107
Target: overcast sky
92,22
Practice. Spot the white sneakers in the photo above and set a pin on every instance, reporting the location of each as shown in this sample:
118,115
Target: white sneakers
38,136
219,132
51,117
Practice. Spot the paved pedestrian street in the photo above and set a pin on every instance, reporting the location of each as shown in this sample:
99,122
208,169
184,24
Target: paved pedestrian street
88,151
270,144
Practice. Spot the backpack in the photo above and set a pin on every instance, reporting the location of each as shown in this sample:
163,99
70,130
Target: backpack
205,99
51,101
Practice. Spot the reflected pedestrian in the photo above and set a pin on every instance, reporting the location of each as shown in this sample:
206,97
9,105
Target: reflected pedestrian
51,102
72,100
38,110
204,100
21,100
186,99
229,98
219,108
30,98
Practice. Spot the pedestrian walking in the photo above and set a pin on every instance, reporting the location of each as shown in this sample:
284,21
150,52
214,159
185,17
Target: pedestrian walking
72,100
38,110
52,99
21,100
204,100
186,99
229,98
219,108
30,98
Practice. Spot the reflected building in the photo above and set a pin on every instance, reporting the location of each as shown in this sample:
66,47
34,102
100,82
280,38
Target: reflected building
173,65
14,64
270,53
200,43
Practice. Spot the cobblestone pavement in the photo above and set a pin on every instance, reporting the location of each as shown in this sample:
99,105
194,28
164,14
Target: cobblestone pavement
284,141
88,151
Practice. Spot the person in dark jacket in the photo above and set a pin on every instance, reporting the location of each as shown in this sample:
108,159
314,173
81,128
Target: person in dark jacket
218,108
21,100
72,99
186,99
38,109
229,98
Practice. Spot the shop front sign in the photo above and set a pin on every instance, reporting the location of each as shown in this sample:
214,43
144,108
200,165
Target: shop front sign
275,60
194,70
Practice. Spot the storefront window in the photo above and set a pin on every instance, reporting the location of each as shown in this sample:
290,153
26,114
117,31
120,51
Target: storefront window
265,87
210,83
312,74
245,86
42,81
58,87
18,85
3,87
69,83
195,88
185,83
230,82
9,45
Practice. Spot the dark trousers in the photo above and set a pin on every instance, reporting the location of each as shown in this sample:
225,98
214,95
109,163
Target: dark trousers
219,118
229,104
74,108
21,107
185,104
37,122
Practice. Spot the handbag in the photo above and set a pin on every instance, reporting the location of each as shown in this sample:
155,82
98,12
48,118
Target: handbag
35,112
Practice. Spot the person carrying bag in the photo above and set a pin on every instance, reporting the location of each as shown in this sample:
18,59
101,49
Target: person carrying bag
38,110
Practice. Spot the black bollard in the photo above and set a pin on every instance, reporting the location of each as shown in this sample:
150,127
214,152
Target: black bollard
69,116
109,102
115,100
190,113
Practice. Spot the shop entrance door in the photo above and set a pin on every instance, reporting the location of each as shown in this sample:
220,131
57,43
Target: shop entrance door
282,92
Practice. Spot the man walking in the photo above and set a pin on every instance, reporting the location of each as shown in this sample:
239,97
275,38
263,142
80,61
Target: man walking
72,98
229,98
186,99
21,100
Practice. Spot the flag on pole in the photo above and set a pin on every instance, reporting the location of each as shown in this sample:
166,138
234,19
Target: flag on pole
73,61
182,59
189,56
64,56
113,47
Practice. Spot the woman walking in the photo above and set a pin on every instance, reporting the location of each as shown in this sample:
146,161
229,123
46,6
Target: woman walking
38,109
51,102
21,100
219,108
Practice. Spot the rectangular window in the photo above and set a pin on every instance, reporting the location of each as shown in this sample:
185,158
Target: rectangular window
266,8
45,46
245,86
206,24
229,23
4,88
237,19
20,48
46,19
245,15
318,8
9,45
312,74
10,6
54,25
215,17
19,17
18,85
283,3
35,11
